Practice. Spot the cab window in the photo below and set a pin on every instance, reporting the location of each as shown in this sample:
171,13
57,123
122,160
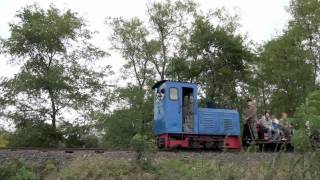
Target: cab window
174,94
160,94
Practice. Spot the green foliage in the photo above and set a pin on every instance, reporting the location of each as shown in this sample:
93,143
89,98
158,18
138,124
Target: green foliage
76,135
307,121
287,66
301,140
144,147
277,166
52,47
132,118
3,141
306,18
34,135
216,58
147,48
130,38
15,170
4,138
281,82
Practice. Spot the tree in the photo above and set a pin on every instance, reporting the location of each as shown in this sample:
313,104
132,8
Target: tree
216,58
306,16
133,117
130,38
170,21
307,123
148,51
55,77
284,72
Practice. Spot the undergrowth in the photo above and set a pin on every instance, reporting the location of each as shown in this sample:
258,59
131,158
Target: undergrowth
281,166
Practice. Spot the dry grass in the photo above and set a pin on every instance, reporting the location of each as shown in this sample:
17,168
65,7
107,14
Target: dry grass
281,166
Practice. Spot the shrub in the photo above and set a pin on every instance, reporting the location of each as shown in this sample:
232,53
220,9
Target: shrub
3,141
307,123
16,170
144,147
34,135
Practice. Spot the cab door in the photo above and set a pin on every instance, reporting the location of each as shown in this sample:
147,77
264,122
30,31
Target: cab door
174,109
159,124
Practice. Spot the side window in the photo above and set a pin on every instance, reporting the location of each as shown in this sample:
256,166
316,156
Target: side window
174,95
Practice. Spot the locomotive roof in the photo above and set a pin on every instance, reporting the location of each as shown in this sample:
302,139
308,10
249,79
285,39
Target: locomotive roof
159,83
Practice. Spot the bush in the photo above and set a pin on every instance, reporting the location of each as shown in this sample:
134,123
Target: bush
76,135
34,135
3,141
16,170
144,147
307,123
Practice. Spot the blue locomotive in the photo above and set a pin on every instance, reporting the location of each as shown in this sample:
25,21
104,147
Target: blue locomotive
180,123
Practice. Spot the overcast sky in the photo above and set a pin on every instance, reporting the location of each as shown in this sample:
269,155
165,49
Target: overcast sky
260,19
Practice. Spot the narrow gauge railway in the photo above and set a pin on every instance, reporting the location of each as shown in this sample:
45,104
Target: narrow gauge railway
66,150
179,122
104,150
180,125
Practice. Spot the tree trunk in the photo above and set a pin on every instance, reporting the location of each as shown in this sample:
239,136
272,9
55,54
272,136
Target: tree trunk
53,117
164,54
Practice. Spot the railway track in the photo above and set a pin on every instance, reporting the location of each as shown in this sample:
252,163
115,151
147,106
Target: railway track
66,150
62,156
104,150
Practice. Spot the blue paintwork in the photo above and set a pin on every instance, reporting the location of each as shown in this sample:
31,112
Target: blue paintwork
168,114
219,122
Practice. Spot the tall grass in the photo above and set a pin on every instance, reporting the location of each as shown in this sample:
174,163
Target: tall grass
290,166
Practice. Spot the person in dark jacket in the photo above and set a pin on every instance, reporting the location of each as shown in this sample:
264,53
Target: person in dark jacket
251,118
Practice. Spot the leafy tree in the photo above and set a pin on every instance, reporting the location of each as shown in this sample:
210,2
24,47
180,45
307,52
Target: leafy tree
133,117
307,123
148,51
284,74
216,58
170,22
56,74
306,15
78,135
34,134
130,38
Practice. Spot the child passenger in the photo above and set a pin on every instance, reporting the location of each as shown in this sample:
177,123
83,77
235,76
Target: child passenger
267,126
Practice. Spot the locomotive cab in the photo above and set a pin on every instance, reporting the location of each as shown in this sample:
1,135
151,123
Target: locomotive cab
175,107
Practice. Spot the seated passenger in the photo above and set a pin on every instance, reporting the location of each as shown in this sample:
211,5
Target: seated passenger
276,125
275,121
266,125
285,126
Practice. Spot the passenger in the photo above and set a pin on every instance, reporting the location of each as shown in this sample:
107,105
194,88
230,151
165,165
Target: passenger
251,118
285,126
266,125
276,125
275,122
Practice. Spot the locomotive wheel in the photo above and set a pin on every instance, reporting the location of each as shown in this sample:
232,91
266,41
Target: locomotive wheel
195,144
209,145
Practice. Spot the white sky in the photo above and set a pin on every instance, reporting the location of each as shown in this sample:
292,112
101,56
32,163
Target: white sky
260,19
